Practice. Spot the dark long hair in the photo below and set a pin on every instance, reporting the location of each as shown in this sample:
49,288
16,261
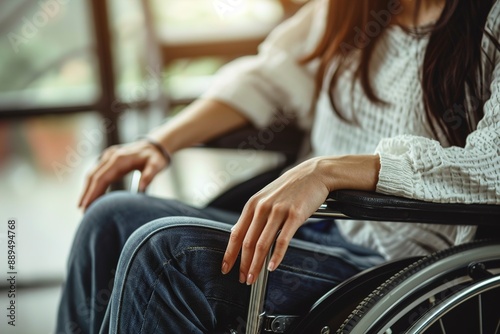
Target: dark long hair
451,73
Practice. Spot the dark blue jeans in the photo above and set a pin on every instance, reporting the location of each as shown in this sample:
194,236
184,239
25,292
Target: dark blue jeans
168,278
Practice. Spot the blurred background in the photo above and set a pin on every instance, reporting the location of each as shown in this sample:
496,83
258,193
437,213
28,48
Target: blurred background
79,75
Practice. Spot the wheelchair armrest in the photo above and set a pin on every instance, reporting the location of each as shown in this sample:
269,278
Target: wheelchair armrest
363,205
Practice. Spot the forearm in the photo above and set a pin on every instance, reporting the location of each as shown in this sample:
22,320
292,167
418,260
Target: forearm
199,122
358,172
286,203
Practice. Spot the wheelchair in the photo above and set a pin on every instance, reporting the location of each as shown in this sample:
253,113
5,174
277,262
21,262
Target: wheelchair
456,290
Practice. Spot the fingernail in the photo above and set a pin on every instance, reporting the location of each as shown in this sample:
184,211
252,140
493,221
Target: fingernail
242,278
224,268
249,279
271,266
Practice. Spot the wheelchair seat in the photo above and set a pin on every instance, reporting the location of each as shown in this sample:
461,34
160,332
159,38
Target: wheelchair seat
456,290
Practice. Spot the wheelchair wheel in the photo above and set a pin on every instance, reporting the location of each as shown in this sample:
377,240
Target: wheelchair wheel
453,291
330,310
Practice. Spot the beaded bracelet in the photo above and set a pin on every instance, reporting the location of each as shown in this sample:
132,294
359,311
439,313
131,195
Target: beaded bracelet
159,147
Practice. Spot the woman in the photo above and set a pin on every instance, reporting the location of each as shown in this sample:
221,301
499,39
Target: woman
406,100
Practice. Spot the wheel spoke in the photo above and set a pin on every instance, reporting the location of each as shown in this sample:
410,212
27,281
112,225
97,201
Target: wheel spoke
441,324
480,314
432,300
498,326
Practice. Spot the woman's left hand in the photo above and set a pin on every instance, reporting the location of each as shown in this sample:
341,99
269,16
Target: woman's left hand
285,205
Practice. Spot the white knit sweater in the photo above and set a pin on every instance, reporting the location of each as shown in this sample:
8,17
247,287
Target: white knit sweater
414,164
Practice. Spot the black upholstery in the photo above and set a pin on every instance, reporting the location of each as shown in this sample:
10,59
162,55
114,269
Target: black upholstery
374,206
235,198
287,142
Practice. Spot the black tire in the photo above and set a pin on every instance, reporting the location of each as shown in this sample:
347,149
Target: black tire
420,289
328,313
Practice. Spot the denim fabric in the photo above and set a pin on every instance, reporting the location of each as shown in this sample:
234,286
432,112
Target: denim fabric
168,278
97,245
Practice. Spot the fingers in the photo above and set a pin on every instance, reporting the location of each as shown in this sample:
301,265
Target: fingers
148,173
100,178
259,240
255,233
83,202
117,161
236,237
282,243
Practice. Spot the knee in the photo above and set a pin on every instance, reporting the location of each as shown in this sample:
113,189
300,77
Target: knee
105,207
163,230
108,216
175,236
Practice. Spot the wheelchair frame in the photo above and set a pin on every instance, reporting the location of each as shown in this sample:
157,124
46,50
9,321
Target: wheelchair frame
402,276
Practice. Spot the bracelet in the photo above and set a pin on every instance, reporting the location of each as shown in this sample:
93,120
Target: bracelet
166,155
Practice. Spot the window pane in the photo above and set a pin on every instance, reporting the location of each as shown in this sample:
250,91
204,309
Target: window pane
43,161
135,74
47,53
181,21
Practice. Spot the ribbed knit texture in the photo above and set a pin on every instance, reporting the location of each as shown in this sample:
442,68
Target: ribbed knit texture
414,164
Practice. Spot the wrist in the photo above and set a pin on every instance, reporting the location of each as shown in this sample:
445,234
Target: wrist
159,147
358,172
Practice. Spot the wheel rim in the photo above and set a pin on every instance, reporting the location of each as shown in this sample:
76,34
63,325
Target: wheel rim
392,297
447,305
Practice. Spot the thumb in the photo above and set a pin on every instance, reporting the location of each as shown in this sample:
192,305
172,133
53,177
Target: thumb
147,175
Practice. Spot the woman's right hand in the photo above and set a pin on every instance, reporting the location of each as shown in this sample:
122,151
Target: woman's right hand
115,162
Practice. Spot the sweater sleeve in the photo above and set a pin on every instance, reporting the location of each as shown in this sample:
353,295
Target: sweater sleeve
272,80
421,168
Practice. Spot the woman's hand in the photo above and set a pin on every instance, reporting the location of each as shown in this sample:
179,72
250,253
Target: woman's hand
201,121
286,203
117,161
